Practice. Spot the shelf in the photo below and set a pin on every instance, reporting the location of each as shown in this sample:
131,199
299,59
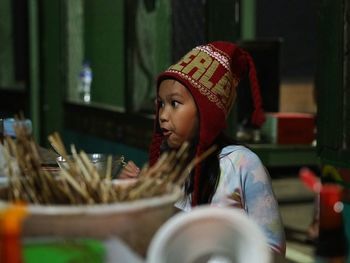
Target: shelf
273,155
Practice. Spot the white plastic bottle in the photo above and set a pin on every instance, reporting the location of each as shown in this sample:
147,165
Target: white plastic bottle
85,80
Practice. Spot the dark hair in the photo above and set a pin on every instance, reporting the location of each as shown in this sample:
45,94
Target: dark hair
210,168
210,171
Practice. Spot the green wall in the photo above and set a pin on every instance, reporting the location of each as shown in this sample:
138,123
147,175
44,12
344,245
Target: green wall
248,19
51,84
104,48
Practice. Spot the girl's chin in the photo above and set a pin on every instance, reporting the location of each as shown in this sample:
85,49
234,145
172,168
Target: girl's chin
173,144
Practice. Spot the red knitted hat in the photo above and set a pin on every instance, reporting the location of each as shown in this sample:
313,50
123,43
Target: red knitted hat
211,73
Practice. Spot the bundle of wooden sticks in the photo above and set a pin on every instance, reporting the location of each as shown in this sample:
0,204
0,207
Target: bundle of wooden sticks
79,182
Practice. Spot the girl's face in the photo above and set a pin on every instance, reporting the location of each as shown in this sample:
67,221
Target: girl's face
178,116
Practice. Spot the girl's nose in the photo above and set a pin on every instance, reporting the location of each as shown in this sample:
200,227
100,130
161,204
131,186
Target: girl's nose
163,115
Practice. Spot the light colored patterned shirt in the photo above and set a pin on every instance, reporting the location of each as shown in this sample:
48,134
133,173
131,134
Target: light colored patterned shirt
244,183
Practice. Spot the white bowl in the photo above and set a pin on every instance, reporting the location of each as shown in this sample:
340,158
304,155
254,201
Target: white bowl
135,222
209,234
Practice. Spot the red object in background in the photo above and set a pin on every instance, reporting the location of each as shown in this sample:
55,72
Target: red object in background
331,196
296,128
332,243
290,128
331,206
310,179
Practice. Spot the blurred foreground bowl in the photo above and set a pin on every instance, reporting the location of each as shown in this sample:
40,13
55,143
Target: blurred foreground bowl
209,234
134,222
99,160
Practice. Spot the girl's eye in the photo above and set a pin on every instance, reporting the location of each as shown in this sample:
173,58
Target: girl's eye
175,103
160,104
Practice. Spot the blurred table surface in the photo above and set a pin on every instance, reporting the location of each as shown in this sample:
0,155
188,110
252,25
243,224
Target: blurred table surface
285,155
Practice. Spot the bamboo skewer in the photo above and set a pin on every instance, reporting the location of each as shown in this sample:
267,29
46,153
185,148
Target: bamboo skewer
79,181
108,175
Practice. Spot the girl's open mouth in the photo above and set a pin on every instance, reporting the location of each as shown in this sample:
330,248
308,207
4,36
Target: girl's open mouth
166,132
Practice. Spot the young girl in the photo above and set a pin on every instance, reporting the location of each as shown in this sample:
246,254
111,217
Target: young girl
195,96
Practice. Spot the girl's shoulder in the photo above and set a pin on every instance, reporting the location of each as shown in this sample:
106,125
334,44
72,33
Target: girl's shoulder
236,150
239,155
